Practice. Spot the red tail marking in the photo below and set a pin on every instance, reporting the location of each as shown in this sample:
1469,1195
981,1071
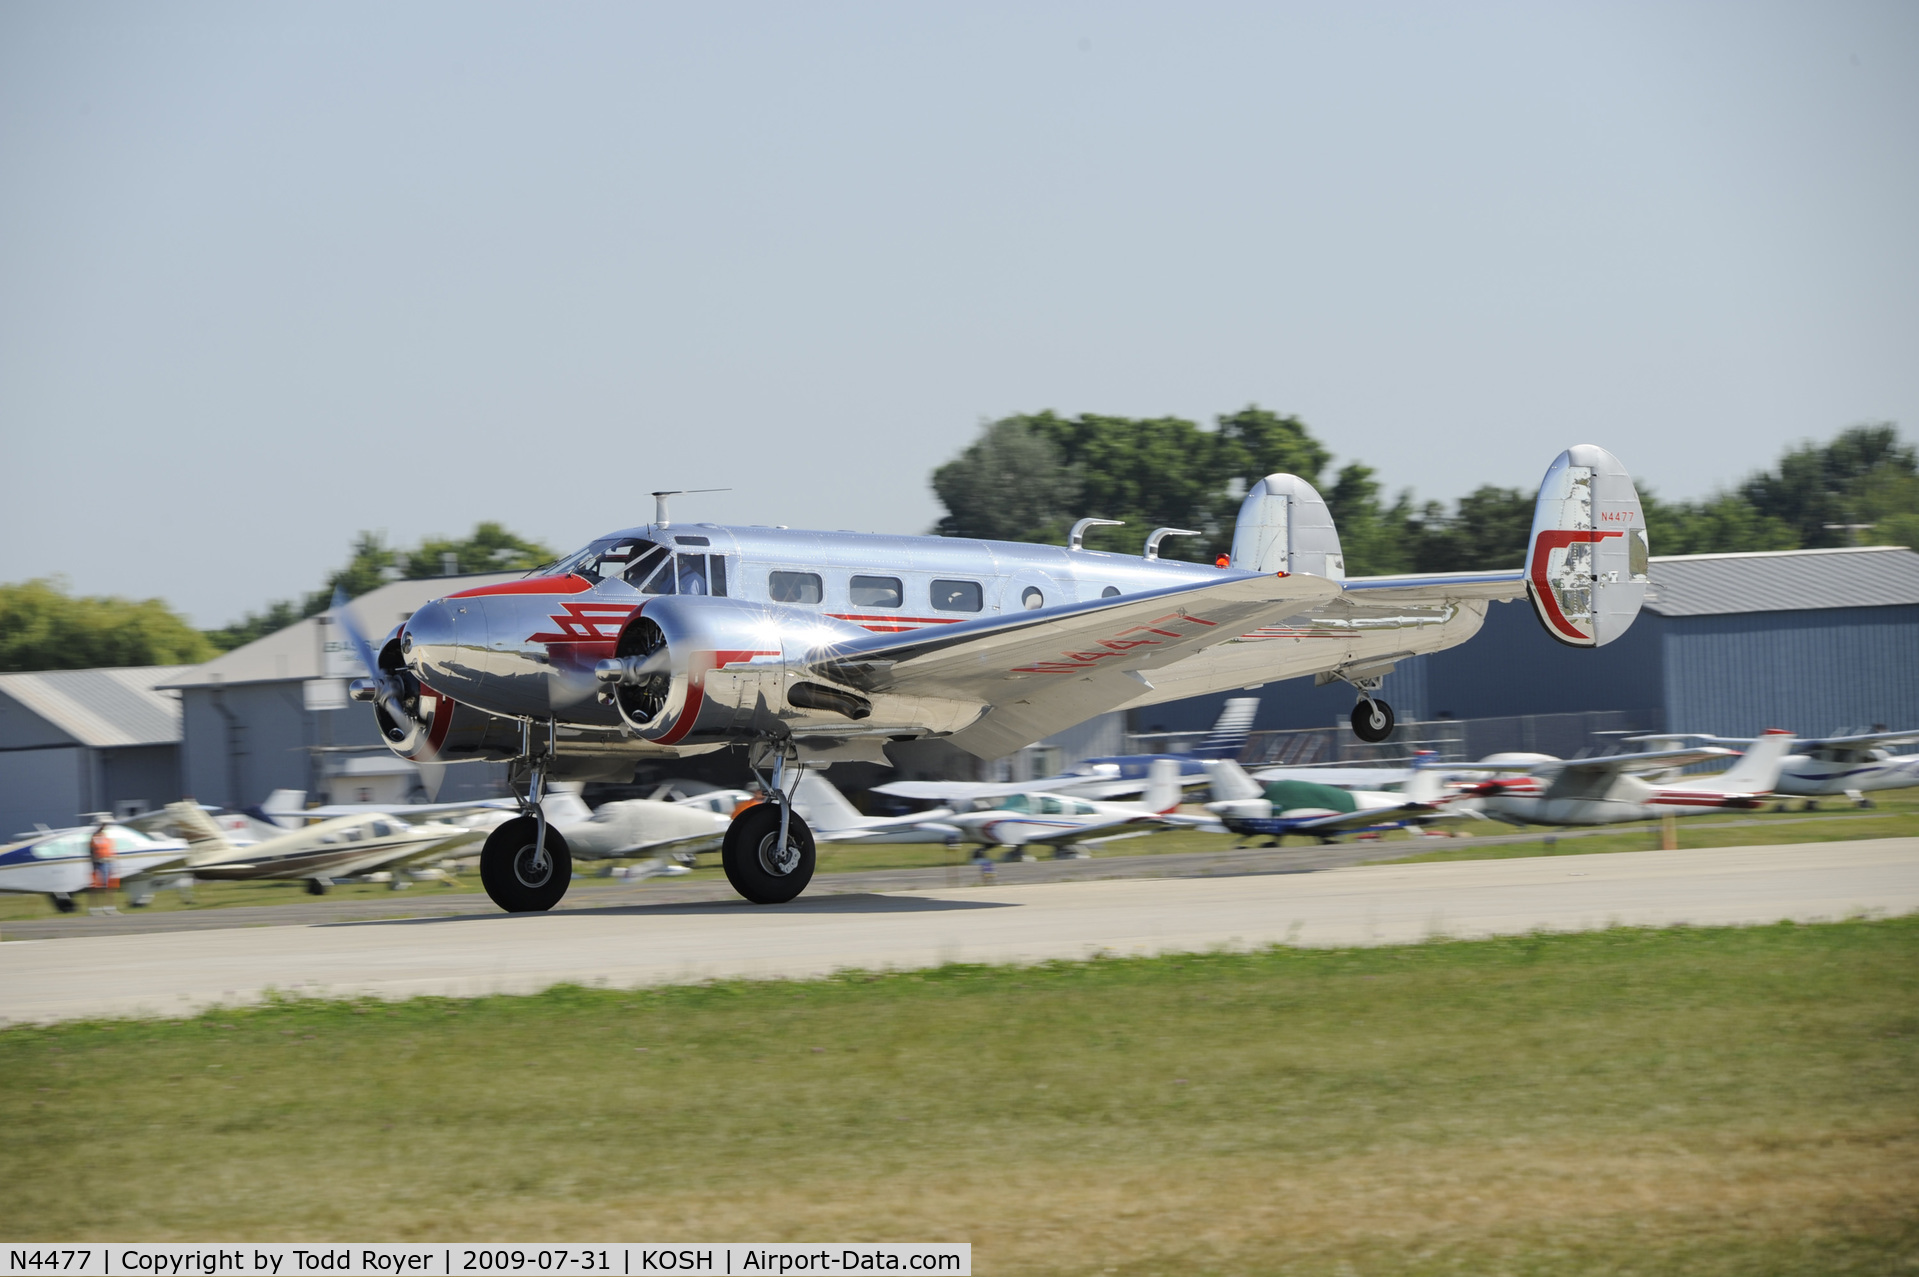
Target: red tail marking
1543,546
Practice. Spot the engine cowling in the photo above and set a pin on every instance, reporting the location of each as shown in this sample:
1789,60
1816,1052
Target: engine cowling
420,725
687,672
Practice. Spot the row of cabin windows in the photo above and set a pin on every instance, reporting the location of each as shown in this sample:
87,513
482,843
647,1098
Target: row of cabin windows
875,591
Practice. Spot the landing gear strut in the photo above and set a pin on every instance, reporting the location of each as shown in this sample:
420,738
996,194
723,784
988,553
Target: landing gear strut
525,866
1372,717
768,850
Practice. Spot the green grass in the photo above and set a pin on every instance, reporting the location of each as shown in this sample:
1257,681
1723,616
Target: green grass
1735,1101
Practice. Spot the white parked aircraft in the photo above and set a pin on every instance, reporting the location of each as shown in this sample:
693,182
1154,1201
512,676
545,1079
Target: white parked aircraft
834,819
1604,791
1015,816
58,863
342,847
1843,766
1288,806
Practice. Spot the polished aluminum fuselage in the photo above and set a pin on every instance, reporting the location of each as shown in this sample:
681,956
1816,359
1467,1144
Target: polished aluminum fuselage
526,650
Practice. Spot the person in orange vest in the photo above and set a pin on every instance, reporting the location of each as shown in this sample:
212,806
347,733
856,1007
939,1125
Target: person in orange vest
106,875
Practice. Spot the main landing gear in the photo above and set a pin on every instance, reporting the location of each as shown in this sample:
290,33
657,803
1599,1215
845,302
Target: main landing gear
1372,717
525,865
768,850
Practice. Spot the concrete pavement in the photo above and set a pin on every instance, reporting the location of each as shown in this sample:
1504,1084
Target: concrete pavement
179,973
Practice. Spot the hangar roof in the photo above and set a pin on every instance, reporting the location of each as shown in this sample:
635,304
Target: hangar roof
1783,580
103,708
295,652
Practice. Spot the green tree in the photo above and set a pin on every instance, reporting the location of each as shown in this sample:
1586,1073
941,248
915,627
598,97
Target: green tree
491,548
1010,484
1030,477
1864,474
43,627
1485,531
1376,539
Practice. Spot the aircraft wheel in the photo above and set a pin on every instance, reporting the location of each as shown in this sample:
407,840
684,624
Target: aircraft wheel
1810,806
1372,721
519,880
760,870
316,887
63,902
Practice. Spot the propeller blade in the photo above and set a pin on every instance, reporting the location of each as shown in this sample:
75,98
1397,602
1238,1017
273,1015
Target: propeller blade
343,612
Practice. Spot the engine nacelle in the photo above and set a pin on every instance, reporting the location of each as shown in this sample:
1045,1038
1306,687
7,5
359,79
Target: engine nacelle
429,728
697,671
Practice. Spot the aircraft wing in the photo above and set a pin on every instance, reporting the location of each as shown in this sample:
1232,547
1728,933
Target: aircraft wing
1039,672
1653,760
407,811
950,790
1366,819
1805,743
668,846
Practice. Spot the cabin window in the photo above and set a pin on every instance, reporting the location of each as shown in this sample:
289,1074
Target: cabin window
125,839
692,573
1031,598
875,591
644,564
795,587
62,847
691,541
1017,802
1110,592
958,596
1050,806
716,575
661,582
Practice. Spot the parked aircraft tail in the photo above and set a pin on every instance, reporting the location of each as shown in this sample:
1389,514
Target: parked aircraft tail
283,809
205,840
1230,783
563,803
823,806
1230,730
1586,559
1163,791
1757,770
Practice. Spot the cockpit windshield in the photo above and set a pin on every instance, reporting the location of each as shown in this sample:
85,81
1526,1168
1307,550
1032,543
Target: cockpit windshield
629,557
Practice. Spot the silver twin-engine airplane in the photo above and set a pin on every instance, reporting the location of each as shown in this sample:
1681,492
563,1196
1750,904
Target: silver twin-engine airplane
809,647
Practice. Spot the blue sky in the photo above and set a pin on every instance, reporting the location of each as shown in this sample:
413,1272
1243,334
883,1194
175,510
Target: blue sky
273,274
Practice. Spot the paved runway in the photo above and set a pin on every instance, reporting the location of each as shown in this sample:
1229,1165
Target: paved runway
178,973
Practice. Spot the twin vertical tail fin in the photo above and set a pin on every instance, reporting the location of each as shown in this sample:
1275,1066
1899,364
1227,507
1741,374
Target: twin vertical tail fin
1586,560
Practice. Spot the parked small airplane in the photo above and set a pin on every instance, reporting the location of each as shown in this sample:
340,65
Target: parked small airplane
1840,766
1014,817
673,639
1604,791
342,847
834,819
1276,808
58,863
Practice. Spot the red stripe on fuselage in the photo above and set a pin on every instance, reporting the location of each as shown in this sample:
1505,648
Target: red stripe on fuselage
531,585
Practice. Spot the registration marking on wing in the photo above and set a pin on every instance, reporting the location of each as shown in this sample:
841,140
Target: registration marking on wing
1154,633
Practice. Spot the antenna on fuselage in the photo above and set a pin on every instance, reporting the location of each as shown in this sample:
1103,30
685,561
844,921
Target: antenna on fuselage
659,500
1078,533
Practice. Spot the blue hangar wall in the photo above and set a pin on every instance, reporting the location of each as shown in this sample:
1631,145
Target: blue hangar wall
1736,674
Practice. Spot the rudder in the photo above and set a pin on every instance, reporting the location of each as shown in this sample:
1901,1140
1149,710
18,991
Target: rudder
1587,556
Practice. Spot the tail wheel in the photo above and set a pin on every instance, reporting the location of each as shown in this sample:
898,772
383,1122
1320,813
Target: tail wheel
516,875
757,866
1372,721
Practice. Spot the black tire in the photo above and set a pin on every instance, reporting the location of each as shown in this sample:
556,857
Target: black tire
62,902
748,855
1373,721
315,887
508,872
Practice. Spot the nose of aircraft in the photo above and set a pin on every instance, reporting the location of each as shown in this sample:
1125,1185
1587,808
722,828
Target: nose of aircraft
429,639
